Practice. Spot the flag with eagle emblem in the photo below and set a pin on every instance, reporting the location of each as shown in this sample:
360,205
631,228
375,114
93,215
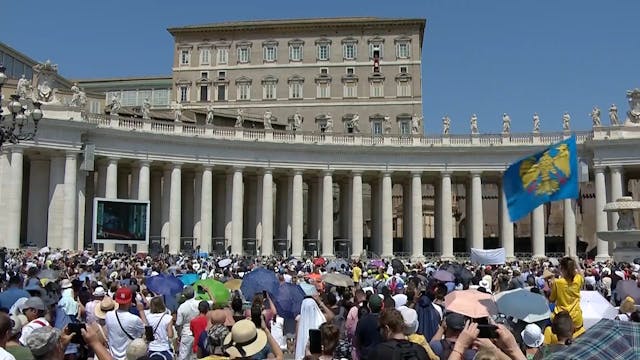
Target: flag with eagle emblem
549,175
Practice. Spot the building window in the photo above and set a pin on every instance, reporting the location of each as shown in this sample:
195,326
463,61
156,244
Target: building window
204,74
244,55
129,98
184,93
222,93
349,51
323,52
269,91
402,50
376,49
205,55
404,70
185,56
222,74
244,91
351,90
295,90
405,127
269,53
295,52
404,89
223,56
160,97
350,71
376,89
324,91
204,93
324,71
376,127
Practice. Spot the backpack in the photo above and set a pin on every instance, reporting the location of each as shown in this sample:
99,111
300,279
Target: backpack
213,344
406,350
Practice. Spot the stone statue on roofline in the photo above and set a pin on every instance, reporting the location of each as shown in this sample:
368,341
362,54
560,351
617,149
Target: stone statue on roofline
416,123
177,111
146,109
506,124
536,123
355,123
613,115
566,118
474,124
386,124
115,105
45,74
329,124
297,121
239,118
210,114
633,115
595,116
446,124
24,87
267,117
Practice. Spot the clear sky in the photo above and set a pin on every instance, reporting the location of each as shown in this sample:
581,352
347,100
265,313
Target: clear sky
484,57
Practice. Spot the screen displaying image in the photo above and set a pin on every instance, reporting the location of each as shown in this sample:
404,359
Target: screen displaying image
121,221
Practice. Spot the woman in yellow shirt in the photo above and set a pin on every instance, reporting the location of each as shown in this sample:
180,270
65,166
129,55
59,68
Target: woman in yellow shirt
565,292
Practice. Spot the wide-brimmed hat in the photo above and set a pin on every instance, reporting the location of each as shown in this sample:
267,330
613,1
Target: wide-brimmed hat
532,336
107,304
66,284
245,340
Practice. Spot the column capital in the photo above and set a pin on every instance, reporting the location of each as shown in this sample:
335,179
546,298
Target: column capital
266,170
599,168
386,173
143,162
297,171
327,172
616,168
112,160
175,165
356,173
237,168
416,173
475,173
445,173
206,167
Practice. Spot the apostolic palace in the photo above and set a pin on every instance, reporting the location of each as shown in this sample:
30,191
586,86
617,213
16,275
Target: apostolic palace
291,137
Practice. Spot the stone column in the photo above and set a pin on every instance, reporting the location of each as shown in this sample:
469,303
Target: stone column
289,225
14,199
206,209
101,183
135,181
166,195
417,226
387,216
267,213
537,232
155,191
111,190
82,192
407,216
175,209
5,178
376,217
38,197
477,221
142,189
570,240
601,216
123,184
356,215
196,205
55,212
236,211
257,230
187,208
70,205
616,193
297,214
446,216
506,227
327,214
228,208
312,204
345,210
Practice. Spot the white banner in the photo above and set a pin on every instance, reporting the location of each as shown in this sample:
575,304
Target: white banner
488,257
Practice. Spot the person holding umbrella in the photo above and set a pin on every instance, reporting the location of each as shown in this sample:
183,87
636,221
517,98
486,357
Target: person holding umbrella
565,292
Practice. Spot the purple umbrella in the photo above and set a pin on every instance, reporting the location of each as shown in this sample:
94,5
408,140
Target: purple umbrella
377,263
443,276
257,281
288,300
626,288
164,284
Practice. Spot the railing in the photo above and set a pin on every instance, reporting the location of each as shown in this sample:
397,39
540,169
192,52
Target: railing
189,129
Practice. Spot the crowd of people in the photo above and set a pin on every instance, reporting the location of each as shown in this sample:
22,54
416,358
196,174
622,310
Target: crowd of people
80,305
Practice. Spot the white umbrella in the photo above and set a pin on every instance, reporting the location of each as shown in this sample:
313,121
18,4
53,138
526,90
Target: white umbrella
224,262
44,250
595,307
523,305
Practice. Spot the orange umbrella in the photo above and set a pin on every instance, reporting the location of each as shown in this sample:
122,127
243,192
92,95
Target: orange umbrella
233,284
315,276
472,303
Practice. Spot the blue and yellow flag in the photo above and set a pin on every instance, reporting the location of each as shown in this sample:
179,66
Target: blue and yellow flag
549,175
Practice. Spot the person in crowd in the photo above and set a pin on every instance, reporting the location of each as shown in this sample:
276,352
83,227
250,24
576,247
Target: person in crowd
311,316
199,323
13,345
187,311
236,307
245,340
90,309
68,310
107,304
5,335
35,311
503,347
12,293
627,306
565,292
392,327
48,343
444,340
356,271
161,323
410,317
352,316
367,336
122,326
532,339
211,341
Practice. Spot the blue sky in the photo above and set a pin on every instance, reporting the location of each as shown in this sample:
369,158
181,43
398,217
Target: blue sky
484,57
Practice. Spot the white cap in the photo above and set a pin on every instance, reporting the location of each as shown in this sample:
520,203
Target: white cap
532,336
99,292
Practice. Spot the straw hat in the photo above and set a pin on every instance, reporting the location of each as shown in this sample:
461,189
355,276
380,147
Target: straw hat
245,340
107,304
546,274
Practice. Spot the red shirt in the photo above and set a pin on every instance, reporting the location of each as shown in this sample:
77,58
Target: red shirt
197,326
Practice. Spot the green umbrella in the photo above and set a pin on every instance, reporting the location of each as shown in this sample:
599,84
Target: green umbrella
216,288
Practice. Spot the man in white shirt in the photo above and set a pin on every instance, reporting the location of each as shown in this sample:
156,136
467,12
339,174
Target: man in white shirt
187,311
34,310
122,326
98,295
5,334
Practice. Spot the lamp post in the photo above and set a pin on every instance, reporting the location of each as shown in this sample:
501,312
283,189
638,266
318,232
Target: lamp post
12,126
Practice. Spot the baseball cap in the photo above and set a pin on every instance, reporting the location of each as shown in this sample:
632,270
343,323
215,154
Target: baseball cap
455,321
43,340
99,292
123,295
375,303
34,302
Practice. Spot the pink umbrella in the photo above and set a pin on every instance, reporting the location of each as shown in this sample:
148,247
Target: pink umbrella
472,303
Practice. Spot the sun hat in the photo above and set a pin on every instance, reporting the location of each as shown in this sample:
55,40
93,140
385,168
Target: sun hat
484,283
34,302
18,322
107,304
532,336
400,300
245,340
66,284
410,317
99,292
124,295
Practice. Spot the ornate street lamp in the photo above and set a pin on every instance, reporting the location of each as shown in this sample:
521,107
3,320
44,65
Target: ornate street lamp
12,126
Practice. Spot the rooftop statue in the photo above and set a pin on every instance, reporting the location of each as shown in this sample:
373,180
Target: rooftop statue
416,123
115,105
595,116
386,124
177,111
46,73
633,115
329,125
566,118
24,87
474,124
146,109
506,124
613,115
446,124
239,118
355,123
536,123
210,114
267,119
297,121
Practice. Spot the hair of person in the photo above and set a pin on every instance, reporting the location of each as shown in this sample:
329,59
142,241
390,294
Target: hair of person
203,307
562,325
485,354
5,324
635,316
392,319
568,268
156,305
257,300
359,295
331,299
236,304
330,334
389,303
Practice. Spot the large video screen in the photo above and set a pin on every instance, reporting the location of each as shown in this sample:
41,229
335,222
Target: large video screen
120,221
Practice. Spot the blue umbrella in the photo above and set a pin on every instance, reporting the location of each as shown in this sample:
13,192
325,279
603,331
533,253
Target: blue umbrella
288,300
257,281
164,285
189,279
